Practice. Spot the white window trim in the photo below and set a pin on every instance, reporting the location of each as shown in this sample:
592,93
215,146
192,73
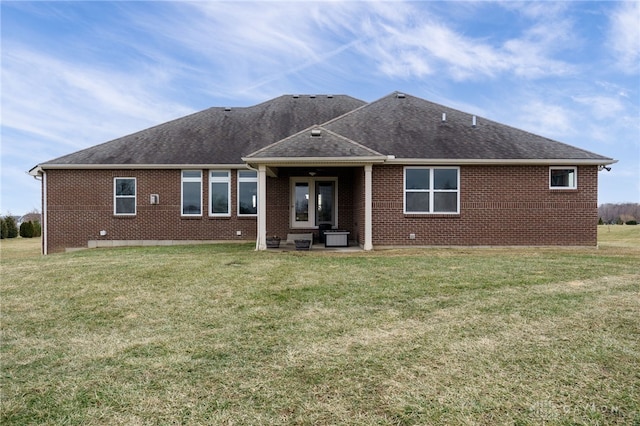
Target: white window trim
217,179
134,196
246,179
575,180
311,181
431,191
189,179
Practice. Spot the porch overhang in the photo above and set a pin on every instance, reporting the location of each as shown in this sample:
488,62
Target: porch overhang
272,162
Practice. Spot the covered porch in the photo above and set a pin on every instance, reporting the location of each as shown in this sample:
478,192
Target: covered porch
315,179
314,201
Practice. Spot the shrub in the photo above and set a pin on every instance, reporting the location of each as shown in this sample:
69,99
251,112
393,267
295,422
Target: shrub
600,221
4,230
631,222
26,229
12,228
37,229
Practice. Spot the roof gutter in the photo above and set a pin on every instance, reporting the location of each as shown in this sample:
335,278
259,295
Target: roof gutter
504,162
37,170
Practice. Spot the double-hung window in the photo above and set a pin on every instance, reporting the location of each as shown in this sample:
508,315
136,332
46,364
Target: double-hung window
124,194
563,177
432,190
191,193
247,193
219,193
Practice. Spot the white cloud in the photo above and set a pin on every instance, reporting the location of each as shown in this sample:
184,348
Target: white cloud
76,104
417,43
546,119
602,107
403,40
243,47
624,36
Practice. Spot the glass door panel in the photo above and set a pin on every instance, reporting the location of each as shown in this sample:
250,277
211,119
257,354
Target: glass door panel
302,202
324,202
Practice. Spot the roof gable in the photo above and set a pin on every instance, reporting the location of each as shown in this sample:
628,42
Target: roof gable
313,143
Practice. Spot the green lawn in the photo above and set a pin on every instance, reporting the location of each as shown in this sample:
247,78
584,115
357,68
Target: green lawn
221,334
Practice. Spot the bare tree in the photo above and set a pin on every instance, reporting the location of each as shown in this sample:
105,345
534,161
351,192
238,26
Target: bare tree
612,213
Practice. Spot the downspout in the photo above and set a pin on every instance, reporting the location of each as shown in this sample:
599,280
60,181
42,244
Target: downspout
44,213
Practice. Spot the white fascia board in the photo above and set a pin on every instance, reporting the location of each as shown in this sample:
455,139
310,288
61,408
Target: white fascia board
36,171
41,167
310,161
502,162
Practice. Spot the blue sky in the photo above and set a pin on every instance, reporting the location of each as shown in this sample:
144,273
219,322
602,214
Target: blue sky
75,74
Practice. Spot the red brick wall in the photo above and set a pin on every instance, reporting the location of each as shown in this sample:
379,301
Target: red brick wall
80,205
500,205
505,205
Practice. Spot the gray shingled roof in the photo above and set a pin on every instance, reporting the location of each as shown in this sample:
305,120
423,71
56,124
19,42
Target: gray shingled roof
397,125
215,135
315,142
410,127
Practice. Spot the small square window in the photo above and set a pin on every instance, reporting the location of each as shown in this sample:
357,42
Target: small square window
563,178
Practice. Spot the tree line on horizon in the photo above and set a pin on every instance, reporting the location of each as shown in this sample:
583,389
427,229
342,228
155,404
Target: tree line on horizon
619,213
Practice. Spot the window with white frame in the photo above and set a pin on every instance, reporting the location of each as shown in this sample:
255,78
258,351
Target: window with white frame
563,177
247,193
219,193
124,196
191,193
432,190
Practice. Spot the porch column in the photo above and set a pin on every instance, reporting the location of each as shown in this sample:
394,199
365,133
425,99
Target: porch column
261,240
368,200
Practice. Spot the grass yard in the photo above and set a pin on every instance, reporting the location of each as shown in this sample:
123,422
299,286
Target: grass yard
221,334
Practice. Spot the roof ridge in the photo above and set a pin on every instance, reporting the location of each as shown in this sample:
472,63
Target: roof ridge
359,108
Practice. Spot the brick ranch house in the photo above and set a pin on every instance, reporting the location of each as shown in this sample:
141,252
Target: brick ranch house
399,171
